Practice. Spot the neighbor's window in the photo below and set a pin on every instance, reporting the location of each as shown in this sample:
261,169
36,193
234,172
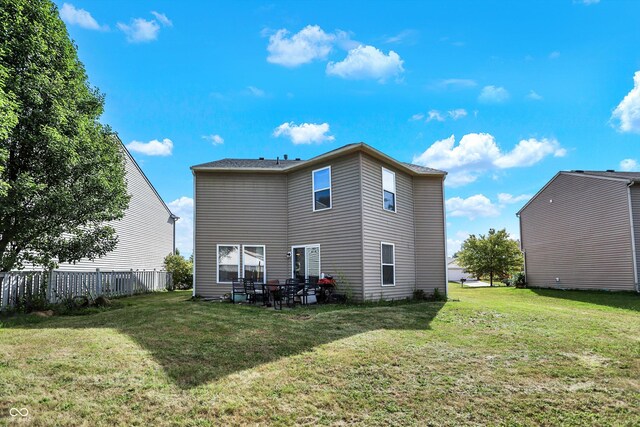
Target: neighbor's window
388,190
228,263
388,264
322,189
253,262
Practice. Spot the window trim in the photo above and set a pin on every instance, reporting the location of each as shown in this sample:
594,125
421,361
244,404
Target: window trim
395,191
264,251
218,261
382,264
314,191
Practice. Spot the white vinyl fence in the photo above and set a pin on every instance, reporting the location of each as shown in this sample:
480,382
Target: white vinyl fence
59,285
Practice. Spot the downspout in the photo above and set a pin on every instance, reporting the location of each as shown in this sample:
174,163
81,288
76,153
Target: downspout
174,218
633,239
193,293
524,253
444,228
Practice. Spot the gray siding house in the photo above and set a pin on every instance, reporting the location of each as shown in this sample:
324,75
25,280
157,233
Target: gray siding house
146,233
375,224
582,231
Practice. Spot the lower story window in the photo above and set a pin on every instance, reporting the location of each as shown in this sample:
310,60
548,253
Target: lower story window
388,258
241,261
228,263
253,262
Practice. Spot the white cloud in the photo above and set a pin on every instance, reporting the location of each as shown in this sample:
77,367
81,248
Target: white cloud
434,115
367,62
183,207
306,133
472,207
534,96
629,165
509,199
255,91
458,113
418,116
214,139
456,84
493,95
628,111
405,36
529,152
554,55
309,44
479,152
140,30
79,17
152,148
162,18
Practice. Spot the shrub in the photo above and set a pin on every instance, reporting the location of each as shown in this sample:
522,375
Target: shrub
181,269
519,280
419,295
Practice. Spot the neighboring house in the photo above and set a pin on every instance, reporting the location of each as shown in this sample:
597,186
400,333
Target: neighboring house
456,272
146,233
582,230
375,224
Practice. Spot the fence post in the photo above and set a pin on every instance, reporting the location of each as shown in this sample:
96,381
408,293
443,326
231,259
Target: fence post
50,294
131,281
99,279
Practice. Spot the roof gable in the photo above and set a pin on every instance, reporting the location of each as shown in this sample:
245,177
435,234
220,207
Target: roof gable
627,177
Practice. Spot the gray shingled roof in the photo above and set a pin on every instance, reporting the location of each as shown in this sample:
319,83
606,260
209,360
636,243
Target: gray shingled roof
421,169
282,165
249,164
633,176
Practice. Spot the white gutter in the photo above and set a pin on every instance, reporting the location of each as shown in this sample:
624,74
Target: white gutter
444,225
193,293
633,239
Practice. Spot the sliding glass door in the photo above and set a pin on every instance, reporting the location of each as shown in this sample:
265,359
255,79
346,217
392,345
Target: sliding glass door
305,262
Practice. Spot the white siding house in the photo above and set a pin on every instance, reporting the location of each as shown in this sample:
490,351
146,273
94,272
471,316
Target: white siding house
146,233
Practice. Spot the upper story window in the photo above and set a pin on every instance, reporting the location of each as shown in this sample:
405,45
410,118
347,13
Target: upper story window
388,190
322,188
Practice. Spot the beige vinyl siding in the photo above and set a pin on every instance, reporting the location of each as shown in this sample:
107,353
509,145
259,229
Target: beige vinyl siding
430,236
577,229
239,209
380,225
145,233
338,230
635,206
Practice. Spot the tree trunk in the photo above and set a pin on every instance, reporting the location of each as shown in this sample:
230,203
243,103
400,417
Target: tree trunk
491,278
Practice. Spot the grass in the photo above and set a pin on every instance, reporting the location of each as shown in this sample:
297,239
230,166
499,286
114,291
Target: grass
492,356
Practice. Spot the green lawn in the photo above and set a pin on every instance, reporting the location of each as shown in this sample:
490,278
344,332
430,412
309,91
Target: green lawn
498,356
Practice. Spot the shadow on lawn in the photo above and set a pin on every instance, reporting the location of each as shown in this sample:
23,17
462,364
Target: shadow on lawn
623,300
197,342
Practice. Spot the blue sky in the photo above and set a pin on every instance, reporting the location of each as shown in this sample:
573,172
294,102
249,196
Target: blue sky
502,95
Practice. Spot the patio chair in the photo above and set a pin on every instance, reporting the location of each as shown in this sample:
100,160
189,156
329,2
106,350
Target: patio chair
290,291
272,293
251,291
238,293
309,293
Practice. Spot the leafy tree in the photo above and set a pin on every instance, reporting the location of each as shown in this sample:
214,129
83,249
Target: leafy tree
63,172
495,255
181,268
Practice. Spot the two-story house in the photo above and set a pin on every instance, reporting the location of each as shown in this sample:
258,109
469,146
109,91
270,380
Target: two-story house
374,223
